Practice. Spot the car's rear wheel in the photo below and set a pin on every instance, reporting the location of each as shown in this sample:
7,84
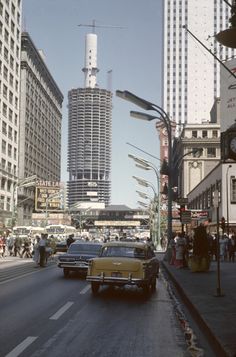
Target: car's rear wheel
66,272
95,287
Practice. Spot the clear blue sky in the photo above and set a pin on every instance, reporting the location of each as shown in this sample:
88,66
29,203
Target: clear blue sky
134,55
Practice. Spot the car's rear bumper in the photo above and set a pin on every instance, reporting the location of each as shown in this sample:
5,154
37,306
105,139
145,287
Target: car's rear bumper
102,279
73,266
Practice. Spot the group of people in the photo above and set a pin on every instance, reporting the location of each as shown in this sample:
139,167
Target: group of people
40,254
16,246
38,248
183,245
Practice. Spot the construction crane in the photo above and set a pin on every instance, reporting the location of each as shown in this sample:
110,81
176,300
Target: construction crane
100,26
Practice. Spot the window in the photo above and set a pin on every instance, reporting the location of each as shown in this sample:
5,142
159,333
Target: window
3,183
211,152
4,128
3,163
194,134
10,114
9,150
7,17
10,97
5,72
204,133
233,190
215,133
6,54
4,109
4,145
11,80
6,36
4,90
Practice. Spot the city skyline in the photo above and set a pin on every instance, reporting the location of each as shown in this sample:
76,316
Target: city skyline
127,52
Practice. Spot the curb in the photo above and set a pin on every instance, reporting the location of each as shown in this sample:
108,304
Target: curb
215,344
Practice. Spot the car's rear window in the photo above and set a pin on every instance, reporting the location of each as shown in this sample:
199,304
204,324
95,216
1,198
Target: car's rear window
130,252
84,248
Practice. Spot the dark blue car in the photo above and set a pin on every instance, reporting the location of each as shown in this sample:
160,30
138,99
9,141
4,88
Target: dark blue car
78,256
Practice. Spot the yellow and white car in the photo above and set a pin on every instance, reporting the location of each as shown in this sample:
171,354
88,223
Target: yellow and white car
124,263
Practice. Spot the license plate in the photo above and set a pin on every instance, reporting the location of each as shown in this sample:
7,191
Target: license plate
116,274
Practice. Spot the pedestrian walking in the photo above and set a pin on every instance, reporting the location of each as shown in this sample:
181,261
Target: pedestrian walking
42,250
223,242
180,246
17,247
26,248
231,244
36,255
70,240
10,245
1,247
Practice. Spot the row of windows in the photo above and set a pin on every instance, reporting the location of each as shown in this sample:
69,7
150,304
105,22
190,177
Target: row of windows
6,13
8,166
8,131
9,58
205,134
206,199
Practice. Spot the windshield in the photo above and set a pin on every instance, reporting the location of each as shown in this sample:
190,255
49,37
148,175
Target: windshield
84,248
131,252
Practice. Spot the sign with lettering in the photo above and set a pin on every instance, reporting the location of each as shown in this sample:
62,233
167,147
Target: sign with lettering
46,198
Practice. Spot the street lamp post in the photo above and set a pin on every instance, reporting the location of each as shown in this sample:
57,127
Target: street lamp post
147,165
146,183
227,197
165,120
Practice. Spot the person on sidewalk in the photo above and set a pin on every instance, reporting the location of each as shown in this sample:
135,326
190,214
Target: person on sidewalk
42,250
231,247
36,255
180,246
223,242
26,248
17,247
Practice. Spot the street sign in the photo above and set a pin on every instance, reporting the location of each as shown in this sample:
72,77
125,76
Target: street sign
182,201
199,214
186,217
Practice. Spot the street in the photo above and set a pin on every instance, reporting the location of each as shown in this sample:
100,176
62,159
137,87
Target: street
44,314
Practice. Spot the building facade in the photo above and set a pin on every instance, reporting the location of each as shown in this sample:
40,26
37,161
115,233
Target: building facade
191,75
10,51
202,142
218,188
89,136
40,125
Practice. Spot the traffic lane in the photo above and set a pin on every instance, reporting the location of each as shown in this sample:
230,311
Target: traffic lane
27,303
119,322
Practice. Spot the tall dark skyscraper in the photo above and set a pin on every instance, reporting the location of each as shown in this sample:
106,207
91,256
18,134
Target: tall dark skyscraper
89,135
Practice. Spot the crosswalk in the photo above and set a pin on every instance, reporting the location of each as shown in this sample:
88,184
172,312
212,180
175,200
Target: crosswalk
11,270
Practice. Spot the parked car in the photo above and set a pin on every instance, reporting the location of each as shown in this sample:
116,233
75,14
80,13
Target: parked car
124,263
78,256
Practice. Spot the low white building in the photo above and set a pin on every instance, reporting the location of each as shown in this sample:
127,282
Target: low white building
222,179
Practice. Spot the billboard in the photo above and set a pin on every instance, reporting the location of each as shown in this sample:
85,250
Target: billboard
48,196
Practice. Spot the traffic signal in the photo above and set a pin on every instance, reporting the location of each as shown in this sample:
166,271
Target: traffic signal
222,223
181,209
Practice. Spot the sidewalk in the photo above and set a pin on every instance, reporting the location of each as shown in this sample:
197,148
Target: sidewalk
216,316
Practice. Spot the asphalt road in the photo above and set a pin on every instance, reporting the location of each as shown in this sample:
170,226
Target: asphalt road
44,314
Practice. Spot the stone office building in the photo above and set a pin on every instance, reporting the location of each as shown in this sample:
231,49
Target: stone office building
40,125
